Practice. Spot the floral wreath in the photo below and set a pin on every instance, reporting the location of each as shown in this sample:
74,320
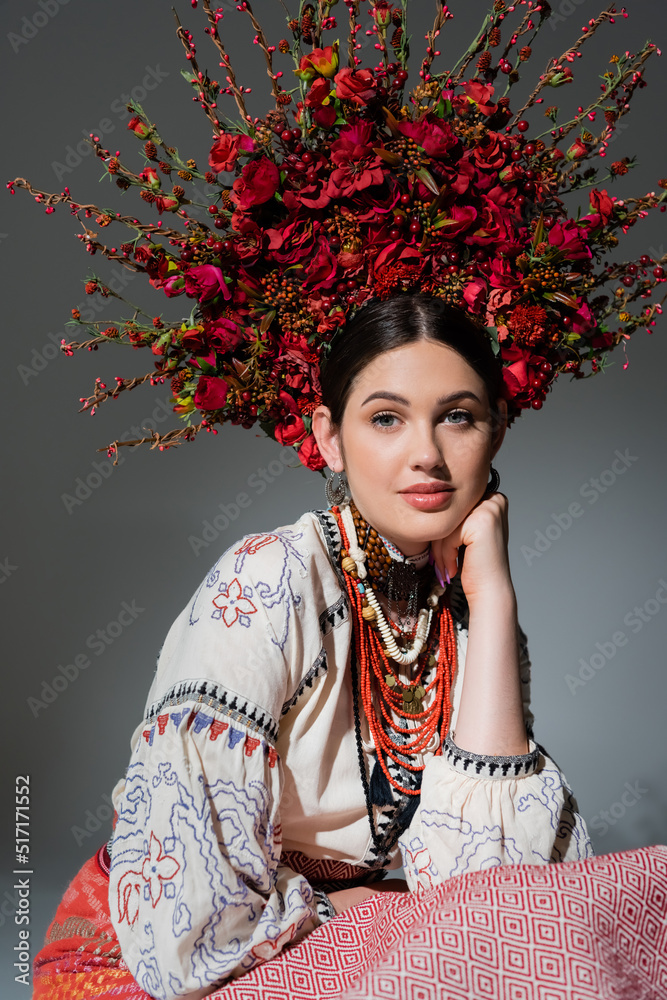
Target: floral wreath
347,191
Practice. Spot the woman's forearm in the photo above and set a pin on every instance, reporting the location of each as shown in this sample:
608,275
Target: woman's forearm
490,718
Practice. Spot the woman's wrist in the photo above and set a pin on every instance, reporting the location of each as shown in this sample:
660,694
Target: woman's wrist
495,598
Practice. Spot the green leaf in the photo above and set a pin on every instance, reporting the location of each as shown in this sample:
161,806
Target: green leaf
493,336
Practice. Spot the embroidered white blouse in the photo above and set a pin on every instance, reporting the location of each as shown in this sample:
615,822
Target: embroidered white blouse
247,750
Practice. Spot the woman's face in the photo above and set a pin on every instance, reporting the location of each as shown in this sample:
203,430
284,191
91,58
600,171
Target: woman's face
416,441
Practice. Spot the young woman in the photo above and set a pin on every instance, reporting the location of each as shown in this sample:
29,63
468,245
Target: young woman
292,749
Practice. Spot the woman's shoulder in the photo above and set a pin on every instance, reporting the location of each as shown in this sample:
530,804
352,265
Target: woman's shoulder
302,551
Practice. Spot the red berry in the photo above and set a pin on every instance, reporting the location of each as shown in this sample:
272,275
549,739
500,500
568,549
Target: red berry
516,154
536,404
394,234
658,272
529,149
286,136
405,199
644,260
632,269
522,125
628,280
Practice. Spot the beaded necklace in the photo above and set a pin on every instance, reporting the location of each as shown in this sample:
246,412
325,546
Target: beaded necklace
390,678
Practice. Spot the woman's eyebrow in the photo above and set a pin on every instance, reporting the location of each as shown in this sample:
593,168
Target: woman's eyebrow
442,401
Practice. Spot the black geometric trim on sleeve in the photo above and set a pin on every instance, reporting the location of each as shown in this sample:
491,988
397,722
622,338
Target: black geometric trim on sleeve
323,905
332,539
479,766
318,668
334,615
220,699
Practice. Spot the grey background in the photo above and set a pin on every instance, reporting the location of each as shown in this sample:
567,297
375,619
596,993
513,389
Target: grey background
131,539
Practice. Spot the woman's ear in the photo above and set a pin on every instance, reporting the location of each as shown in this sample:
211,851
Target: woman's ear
328,438
499,415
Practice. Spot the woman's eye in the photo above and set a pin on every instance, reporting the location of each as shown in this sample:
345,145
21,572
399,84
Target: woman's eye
460,416
384,420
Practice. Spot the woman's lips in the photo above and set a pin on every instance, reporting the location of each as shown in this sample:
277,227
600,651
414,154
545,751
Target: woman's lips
428,496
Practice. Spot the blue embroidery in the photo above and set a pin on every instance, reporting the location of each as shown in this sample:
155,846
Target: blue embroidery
234,737
276,594
224,851
487,847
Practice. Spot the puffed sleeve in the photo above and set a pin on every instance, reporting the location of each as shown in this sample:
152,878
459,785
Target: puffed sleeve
478,811
197,890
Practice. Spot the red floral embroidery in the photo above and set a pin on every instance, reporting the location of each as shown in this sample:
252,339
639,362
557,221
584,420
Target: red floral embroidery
255,543
158,868
233,604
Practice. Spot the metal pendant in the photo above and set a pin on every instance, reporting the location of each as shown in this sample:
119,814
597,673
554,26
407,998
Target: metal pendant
412,699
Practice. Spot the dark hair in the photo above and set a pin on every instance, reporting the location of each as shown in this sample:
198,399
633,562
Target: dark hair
383,325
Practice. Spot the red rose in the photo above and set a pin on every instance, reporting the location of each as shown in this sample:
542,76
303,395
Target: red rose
319,62
515,373
258,183
602,205
431,133
223,335
355,85
211,393
321,269
139,127
225,151
317,98
291,430
461,218
149,176
166,203
481,95
569,239
291,242
205,282
309,455
475,294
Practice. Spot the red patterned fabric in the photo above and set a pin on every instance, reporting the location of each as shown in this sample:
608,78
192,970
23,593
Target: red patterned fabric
586,930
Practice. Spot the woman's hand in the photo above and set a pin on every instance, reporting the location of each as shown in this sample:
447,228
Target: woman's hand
343,899
482,537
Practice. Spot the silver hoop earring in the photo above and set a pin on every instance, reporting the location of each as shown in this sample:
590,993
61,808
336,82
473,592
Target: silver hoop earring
493,484
337,493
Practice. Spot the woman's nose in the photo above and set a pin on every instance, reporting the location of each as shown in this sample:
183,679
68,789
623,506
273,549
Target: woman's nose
425,449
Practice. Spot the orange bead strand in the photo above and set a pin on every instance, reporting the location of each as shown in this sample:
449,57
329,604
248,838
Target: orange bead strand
375,666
